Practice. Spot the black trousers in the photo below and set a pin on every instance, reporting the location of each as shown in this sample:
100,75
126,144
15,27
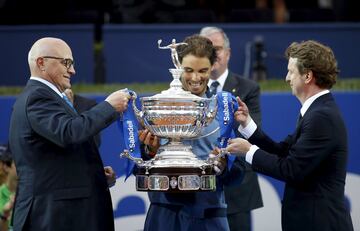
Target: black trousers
240,221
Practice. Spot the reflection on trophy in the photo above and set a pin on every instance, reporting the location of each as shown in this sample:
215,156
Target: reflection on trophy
175,114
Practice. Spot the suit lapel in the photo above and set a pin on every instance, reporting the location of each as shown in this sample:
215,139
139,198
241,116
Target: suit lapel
230,84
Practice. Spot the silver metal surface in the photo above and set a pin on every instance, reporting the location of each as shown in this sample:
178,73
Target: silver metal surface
174,54
176,183
158,183
175,114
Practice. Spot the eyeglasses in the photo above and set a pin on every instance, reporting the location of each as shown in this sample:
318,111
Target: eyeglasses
66,62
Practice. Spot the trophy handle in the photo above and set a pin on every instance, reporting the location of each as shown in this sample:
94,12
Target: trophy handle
212,113
126,154
222,154
139,114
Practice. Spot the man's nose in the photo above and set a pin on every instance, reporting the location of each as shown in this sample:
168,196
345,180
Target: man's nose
196,76
71,70
287,78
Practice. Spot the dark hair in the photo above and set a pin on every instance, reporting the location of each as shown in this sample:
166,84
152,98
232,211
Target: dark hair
198,46
318,58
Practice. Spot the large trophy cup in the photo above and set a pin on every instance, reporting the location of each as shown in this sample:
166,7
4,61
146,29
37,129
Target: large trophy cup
175,114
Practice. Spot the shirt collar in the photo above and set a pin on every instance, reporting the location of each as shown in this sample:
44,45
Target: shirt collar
310,100
47,83
221,80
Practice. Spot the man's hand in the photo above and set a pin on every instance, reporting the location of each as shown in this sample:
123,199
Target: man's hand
242,114
110,176
238,146
220,163
119,100
152,141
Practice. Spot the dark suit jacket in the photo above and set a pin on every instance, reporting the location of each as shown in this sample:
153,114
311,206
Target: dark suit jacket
247,196
312,162
82,104
62,185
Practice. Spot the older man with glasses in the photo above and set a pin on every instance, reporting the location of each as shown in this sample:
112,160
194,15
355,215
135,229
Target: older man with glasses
62,181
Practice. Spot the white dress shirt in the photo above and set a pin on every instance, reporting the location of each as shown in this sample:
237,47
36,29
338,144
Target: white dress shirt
47,83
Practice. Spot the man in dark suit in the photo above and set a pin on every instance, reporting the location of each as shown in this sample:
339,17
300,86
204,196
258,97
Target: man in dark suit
312,161
243,198
62,182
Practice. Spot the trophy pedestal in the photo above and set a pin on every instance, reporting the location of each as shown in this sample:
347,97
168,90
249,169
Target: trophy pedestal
176,179
175,169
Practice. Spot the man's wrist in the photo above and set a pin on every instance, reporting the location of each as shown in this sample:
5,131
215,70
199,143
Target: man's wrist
250,154
247,131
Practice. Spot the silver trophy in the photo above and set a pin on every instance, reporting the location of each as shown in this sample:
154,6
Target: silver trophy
175,114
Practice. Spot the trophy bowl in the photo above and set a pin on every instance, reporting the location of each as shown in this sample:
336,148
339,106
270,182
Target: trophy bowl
173,115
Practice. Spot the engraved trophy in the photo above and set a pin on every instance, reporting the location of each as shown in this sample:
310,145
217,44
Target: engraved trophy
175,114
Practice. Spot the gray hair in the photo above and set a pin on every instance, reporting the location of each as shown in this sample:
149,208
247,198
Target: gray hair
206,31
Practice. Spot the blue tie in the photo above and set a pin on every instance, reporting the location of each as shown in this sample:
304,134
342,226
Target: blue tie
213,88
68,102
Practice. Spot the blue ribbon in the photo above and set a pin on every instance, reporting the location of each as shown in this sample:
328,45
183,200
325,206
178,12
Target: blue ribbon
128,127
226,107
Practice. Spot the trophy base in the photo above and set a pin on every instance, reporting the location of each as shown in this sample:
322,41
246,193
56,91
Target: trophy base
176,179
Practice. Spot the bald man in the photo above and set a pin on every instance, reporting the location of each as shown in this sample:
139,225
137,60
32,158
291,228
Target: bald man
62,181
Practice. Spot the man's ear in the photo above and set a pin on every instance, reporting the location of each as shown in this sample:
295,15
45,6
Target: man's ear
40,63
309,76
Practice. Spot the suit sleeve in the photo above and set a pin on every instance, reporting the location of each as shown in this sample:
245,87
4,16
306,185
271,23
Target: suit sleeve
48,117
300,159
265,143
82,104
